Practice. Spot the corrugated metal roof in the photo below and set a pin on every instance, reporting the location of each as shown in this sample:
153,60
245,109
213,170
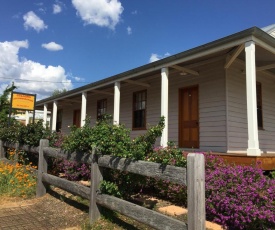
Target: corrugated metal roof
269,28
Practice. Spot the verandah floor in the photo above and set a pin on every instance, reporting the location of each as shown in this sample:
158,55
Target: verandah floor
267,159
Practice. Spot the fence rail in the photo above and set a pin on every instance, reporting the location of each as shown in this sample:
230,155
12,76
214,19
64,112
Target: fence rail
193,176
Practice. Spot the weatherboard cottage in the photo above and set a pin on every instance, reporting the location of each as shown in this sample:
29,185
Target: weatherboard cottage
217,97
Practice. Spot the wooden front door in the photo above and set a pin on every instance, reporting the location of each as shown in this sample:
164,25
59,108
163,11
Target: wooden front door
189,117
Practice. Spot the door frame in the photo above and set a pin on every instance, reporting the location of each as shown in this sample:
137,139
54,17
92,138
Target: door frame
180,114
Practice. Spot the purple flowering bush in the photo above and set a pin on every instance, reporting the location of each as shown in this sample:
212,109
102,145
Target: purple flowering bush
239,197
75,171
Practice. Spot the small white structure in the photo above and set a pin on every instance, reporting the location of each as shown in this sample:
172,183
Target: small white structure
26,117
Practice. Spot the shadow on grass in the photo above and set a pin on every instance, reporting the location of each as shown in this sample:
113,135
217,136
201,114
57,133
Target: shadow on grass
107,214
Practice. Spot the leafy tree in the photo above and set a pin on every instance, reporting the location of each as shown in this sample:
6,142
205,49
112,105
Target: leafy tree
58,91
5,104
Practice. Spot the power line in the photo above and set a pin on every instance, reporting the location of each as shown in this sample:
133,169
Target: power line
17,79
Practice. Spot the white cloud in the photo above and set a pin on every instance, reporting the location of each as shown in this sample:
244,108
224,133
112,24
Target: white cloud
56,9
33,21
134,12
28,75
52,46
156,57
78,78
129,30
104,13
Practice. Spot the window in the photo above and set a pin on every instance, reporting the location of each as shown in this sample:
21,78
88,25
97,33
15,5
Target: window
139,110
101,108
77,117
259,105
59,120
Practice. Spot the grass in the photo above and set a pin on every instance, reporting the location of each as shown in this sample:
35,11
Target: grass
111,220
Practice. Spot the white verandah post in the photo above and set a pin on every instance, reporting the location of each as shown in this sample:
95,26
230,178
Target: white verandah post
116,102
164,105
83,108
45,113
27,117
54,116
251,98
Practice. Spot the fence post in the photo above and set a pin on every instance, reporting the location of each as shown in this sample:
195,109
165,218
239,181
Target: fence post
16,152
96,178
196,191
42,168
2,150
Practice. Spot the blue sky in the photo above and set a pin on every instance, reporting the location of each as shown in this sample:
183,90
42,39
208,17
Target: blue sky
47,45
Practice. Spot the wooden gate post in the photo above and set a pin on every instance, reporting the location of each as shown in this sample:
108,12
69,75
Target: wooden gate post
96,178
2,150
42,168
196,191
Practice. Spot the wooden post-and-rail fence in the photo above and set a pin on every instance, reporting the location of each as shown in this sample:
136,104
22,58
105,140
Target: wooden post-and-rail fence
193,176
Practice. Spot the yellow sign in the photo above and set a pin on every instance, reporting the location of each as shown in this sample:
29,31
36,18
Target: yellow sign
23,101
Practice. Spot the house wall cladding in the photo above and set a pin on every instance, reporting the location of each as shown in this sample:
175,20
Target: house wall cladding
237,115
267,135
212,106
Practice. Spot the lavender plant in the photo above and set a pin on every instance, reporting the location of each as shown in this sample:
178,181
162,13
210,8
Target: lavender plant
75,171
239,197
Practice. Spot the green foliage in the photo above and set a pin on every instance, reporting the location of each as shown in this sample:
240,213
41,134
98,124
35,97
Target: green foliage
27,135
31,134
170,155
5,105
19,156
55,138
110,188
112,139
127,183
10,134
58,91
79,139
144,144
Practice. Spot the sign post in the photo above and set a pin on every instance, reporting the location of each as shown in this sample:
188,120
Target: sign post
23,101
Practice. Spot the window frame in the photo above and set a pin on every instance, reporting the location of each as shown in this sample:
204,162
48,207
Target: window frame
134,110
98,117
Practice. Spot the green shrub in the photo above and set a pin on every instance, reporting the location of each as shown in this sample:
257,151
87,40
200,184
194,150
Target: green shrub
31,134
170,155
79,139
26,135
11,133
110,188
112,139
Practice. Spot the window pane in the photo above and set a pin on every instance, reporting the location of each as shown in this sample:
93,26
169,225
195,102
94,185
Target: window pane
143,104
259,104
139,119
139,107
101,108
